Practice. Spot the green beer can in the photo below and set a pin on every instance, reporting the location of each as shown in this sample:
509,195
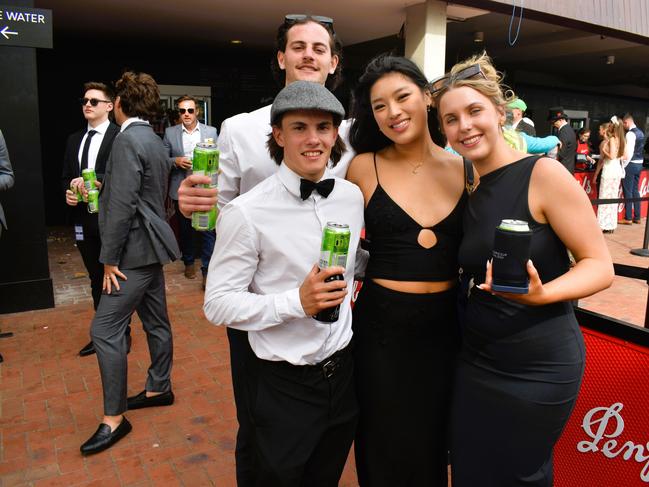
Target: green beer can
333,252
89,178
76,192
205,162
93,201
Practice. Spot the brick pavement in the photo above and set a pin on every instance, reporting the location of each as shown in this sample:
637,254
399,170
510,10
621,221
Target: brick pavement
50,399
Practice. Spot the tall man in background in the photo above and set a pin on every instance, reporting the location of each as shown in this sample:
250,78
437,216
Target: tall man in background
180,141
89,148
633,157
568,150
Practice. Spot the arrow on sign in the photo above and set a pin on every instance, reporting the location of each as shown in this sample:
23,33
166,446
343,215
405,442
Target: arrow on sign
5,32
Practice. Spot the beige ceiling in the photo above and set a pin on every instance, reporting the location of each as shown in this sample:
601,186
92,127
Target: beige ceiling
219,21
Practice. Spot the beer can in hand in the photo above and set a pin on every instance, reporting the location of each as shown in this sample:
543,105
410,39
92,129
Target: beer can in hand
333,252
511,251
93,201
205,162
89,177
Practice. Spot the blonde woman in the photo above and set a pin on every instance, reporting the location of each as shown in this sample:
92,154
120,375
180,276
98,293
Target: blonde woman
611,149
522,356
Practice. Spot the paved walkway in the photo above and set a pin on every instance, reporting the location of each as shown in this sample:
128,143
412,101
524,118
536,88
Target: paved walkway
50,399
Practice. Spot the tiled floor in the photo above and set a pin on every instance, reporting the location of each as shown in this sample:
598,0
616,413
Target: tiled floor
50,399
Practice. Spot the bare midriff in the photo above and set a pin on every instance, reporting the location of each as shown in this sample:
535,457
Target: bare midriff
416,287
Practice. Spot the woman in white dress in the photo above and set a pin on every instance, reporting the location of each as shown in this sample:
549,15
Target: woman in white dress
610,150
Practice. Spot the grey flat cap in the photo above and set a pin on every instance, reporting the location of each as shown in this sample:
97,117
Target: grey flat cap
305,95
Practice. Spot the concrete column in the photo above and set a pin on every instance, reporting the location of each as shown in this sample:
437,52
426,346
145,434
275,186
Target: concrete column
426,36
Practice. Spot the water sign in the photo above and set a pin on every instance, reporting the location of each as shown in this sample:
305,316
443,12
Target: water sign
25,27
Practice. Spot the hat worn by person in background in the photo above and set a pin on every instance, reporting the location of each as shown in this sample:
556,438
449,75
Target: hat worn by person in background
555,113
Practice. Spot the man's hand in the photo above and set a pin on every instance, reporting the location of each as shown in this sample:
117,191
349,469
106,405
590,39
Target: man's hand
316,294
111,273
71,198
75,185
183,162
191,199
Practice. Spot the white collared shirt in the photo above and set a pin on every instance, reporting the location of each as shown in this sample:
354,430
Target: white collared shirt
630,147
190,139
244,160
131,120
95,143
268,240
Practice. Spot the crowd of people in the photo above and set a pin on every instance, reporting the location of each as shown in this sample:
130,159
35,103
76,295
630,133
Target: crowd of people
431,359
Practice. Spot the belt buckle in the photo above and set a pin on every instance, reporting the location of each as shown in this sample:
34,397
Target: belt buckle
329,367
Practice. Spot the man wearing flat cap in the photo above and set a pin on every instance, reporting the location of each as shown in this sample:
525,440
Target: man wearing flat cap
301,394
568,149
525,125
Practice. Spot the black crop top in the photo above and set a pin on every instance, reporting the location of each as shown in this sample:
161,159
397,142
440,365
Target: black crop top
503,194
394,250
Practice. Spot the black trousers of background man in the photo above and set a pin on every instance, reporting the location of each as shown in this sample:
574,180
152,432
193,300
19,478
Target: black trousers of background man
303,421
90,248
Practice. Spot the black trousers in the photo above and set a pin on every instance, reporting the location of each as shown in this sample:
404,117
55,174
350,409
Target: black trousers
405,346
90,248
242,356
304,418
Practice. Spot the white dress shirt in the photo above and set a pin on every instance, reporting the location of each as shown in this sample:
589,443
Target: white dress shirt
267,242
629,148
95,143
244,160
190,139
131,120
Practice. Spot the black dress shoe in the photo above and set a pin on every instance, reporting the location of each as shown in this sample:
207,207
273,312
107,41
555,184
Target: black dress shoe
89,349
104,438
141,401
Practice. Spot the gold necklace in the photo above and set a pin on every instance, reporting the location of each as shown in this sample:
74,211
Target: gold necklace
415,167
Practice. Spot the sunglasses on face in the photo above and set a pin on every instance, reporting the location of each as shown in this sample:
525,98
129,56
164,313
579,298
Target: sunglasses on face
290,19
93,101
188,110
440,84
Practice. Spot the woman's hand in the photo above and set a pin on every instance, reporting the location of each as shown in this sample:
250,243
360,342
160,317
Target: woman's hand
111,273
535,296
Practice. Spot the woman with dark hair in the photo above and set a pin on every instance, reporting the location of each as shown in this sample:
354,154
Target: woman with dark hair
404,319
522,355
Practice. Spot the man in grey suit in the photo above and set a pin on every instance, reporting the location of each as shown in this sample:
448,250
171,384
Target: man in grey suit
6,177
180,141
136,242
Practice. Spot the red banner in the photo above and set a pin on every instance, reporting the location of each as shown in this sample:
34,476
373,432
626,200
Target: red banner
587,181
606,442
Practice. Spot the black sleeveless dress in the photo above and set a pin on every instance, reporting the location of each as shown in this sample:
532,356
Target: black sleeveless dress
405,347
520,367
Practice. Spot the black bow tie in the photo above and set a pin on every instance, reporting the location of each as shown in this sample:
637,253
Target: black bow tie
324,187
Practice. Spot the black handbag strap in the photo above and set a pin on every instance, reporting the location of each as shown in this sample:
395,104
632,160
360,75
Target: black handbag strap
469,179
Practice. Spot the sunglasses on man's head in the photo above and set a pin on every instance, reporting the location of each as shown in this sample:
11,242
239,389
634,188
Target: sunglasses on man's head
188,110
93,101
440,84
290,19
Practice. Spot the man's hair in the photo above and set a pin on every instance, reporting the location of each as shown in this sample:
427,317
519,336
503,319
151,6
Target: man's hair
276,151
187,98
335,46
139,95
96,85
628,116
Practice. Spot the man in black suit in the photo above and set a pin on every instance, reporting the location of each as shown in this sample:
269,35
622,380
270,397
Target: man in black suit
89,148
567,137
136,242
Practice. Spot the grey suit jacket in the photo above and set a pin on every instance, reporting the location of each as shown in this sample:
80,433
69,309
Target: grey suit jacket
6,175
135,184
173,142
